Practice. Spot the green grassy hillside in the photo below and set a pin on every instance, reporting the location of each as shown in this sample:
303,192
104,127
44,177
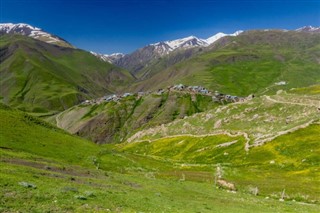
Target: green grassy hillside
289,162
260,119
39,77
114,121
176,145
274,144
249,63
44,169
21,133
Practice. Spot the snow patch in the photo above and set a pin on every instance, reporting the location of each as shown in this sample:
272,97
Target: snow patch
308,29
165,47
217,36
108,58
114,54
28,30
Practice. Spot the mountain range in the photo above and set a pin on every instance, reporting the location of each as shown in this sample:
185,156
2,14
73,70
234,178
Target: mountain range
244,64
309,29
146,61
165,47
176,126
143,57
187,60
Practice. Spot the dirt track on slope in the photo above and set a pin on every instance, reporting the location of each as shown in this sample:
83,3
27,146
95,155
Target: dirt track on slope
292,103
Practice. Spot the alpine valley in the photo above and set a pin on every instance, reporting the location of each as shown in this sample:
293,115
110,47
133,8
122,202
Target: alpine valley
230,123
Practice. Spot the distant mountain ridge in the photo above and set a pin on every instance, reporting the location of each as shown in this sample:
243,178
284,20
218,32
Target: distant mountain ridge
263,56
140,59
188,60
33,32
108,58
309,29
166,47
163,48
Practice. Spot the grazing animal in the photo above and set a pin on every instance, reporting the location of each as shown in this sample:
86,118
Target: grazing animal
226,185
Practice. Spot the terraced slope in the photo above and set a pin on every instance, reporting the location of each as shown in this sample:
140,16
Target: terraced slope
260,120
114,121
40,77
246,64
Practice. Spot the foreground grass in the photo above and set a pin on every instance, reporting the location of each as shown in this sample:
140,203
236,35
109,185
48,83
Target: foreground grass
43,169
115,192
290,162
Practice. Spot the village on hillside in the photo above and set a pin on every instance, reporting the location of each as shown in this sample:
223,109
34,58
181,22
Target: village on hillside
216,96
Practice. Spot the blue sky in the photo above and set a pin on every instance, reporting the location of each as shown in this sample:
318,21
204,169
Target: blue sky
108,26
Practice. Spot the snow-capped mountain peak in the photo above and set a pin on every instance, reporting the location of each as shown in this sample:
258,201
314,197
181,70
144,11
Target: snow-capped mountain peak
165,47
185,42
33,32
115,55
308,29
238,32
109,58
217,36
9,27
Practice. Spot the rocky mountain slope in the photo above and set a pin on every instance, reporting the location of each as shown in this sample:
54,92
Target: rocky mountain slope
165,47
109,58
150,54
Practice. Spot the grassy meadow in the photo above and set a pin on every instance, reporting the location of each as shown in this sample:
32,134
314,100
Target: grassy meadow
44,169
